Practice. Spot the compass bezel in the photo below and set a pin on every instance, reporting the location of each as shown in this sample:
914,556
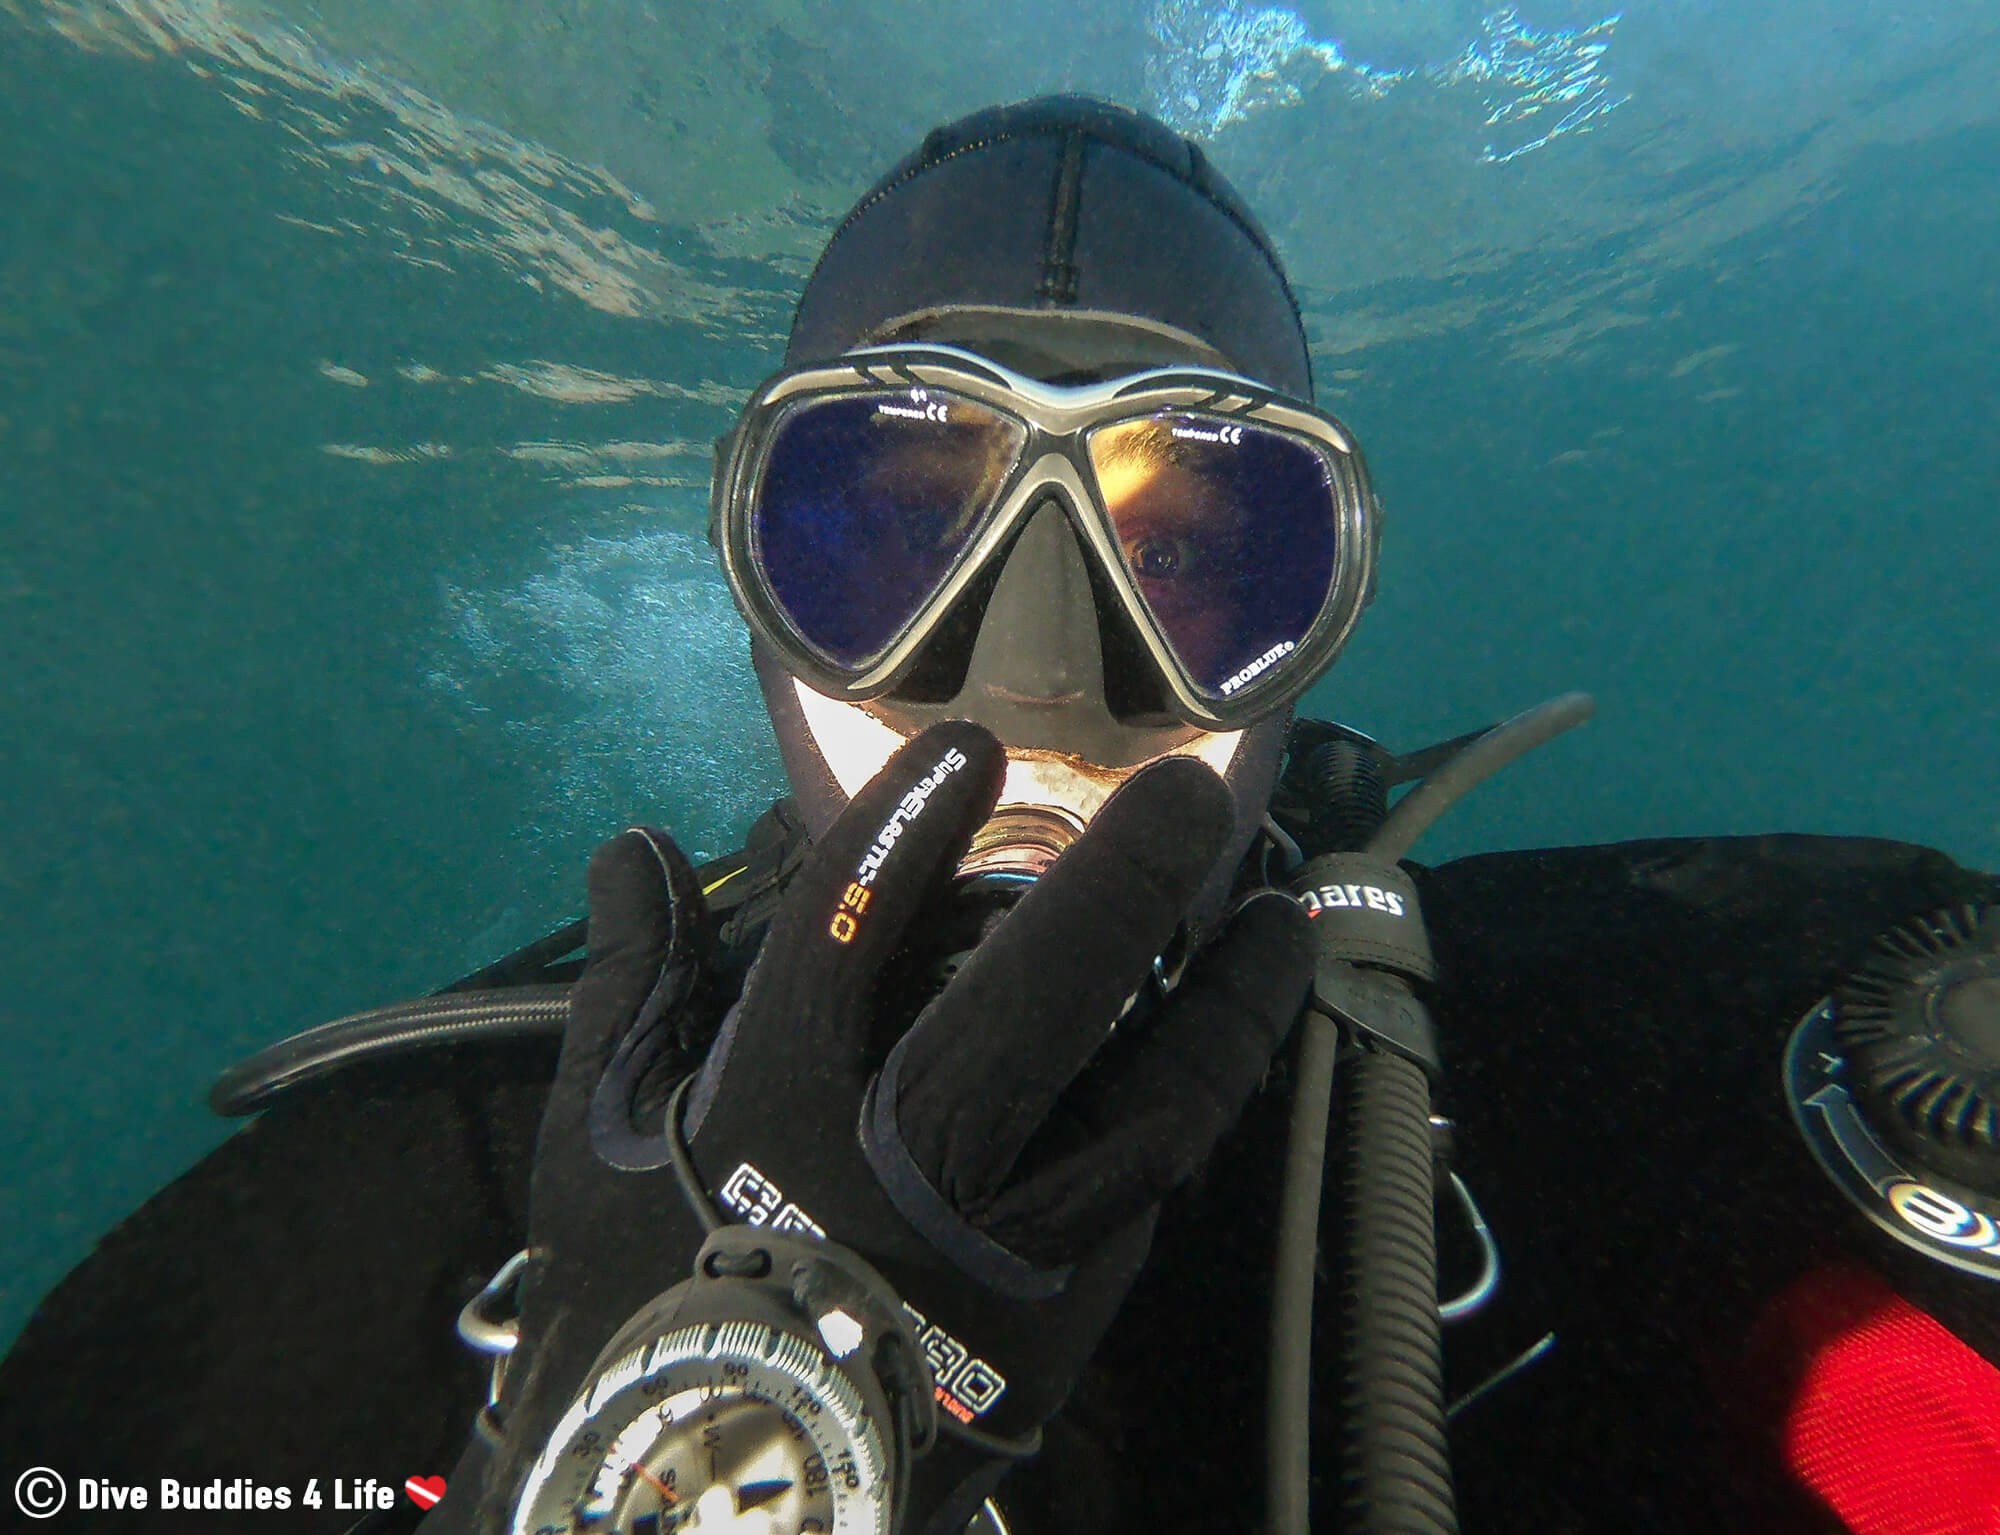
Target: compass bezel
755,1360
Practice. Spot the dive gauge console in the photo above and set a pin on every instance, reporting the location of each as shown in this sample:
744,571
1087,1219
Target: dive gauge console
782,1389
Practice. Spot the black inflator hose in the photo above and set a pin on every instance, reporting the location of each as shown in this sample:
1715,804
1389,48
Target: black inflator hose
1395,1474
1350,797
1395,1471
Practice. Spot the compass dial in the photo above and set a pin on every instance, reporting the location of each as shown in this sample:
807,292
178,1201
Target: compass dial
740,1428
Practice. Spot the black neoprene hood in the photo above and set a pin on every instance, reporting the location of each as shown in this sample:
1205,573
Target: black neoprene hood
1069,239
1129,219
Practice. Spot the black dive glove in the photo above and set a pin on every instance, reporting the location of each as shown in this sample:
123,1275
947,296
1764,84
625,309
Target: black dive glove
1000,1160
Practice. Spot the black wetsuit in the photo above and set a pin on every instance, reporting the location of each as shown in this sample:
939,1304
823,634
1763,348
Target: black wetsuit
1613,1019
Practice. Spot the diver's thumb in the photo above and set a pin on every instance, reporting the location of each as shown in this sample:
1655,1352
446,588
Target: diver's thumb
646,922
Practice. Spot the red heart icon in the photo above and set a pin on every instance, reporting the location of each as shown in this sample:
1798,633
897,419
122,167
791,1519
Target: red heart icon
425,1491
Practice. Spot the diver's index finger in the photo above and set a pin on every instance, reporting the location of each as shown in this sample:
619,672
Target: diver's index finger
859,888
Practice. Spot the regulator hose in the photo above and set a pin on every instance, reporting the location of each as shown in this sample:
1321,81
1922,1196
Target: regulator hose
1288,1436
1418,810
1395,1472
450,1018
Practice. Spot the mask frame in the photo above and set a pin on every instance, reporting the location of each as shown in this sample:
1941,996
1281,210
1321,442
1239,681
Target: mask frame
1052,466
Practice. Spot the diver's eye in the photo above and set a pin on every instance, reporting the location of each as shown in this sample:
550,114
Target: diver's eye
1157,558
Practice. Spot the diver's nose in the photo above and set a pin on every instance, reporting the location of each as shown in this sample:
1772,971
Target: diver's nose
1038,643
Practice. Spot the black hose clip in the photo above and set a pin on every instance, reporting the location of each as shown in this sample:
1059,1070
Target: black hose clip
1372,950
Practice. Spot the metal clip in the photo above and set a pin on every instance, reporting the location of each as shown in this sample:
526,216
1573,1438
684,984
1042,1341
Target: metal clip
483,1330
1488,1282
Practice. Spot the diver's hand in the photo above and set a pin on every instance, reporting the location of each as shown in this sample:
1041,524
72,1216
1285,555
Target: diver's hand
1001,1164
998,1161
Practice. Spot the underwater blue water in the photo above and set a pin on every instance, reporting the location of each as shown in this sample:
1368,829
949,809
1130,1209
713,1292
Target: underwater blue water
359,367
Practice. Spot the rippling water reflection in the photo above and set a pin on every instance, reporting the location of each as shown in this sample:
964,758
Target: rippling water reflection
357,386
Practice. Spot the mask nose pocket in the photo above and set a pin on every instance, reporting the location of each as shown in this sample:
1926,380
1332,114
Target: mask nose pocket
1041,628
1038,639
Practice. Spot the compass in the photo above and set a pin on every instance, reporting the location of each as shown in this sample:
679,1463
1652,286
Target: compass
776,1393
742,1427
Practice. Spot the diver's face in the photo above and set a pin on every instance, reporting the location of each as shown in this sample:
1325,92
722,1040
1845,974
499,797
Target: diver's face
1040,650
1037,663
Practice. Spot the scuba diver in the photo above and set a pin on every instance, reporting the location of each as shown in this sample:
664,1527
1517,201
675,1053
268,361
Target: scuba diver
969,1151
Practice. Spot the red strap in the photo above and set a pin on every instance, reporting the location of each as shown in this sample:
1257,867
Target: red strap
1892,1421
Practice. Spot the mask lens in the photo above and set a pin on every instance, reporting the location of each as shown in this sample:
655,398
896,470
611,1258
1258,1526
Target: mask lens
867,502
1229,530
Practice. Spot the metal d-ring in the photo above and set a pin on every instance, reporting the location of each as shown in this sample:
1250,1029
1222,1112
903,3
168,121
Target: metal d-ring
481,1329
1462,1306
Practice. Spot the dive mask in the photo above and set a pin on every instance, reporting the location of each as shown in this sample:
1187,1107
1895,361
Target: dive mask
860,506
